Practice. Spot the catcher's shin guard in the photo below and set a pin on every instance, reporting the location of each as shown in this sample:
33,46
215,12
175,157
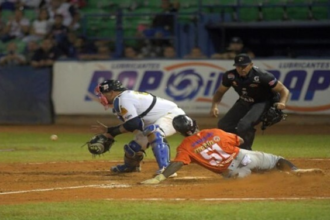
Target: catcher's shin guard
159,145
162,154
132,159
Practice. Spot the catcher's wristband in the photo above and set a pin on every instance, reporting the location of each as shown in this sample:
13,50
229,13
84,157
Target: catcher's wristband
114,131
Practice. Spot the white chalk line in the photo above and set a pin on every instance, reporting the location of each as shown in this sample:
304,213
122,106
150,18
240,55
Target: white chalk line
222,199
109,186
192,178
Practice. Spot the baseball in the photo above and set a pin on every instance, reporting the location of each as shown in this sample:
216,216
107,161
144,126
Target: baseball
53,137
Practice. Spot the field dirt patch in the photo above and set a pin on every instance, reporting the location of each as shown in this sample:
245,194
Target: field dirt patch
92,180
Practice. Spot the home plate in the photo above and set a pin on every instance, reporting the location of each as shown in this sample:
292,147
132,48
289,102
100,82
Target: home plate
191,178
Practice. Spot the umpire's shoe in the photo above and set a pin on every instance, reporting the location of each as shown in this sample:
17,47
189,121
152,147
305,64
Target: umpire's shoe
125,169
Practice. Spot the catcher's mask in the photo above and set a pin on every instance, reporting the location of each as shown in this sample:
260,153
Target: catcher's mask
184,125
108,86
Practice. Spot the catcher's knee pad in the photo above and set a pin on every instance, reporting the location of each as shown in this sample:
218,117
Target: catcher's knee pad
159,145
132,158
133,154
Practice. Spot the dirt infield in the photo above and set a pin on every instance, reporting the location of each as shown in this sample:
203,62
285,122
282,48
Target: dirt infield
49,182
91,180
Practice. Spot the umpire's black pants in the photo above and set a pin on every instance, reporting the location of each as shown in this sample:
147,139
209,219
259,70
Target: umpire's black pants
241,119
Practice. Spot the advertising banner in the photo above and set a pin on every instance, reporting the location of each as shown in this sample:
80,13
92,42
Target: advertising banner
189,83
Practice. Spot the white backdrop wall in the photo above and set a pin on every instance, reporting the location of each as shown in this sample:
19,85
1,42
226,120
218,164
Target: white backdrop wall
189,83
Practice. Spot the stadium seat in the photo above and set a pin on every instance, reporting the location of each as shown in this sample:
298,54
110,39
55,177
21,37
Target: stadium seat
7,14
141,16
272,13
320,13
104,27
125,4
152,4
187,15
209,2
20,45
94,11
250,2
31,14
248,14
2,48
298,13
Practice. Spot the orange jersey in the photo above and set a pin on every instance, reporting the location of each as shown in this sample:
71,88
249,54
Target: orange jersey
213,149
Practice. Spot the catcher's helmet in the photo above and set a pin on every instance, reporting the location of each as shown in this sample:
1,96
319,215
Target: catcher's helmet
184,125
111,85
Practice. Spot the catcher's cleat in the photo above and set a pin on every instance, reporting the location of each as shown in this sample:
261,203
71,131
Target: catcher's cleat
300,172
160,171
125,169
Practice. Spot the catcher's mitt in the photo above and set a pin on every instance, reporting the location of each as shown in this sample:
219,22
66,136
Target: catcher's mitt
272,116
99,144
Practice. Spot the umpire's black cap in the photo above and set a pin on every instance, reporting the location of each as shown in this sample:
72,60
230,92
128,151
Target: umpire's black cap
242,60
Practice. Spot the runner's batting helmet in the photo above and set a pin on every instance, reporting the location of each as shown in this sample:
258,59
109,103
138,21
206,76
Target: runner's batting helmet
184,125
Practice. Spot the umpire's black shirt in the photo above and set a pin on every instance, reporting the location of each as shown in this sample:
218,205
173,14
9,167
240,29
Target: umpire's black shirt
255,87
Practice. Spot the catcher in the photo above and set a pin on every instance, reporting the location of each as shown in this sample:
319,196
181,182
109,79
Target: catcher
147,116
219,151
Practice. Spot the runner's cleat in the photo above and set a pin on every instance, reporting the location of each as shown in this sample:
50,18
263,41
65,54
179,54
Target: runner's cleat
300,172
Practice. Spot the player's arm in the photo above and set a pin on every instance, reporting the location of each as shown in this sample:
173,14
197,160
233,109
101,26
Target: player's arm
217,97
170,169
284,93
132,121
240,140
131,125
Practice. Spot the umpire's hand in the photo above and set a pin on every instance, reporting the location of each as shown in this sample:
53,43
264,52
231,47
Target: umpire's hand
280,105
214,111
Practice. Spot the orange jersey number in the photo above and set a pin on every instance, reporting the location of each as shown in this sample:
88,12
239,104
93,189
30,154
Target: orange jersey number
215,155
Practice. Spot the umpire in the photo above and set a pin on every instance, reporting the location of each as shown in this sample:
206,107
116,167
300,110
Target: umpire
258,91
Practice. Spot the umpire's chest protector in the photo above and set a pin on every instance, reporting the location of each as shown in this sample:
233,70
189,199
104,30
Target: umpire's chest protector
256,87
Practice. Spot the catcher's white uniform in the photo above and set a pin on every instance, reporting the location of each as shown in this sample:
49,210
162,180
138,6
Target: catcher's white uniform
130,104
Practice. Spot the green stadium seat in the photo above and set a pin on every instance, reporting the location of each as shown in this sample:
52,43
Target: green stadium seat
20,45
222,2
248,14
130,32
273,13
298,13
191,3
125,3
101,27
131,42
210,2
320,13
152,4
187,15
143,16
273,2
6,14
31,14
93,11
2,48
251,2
